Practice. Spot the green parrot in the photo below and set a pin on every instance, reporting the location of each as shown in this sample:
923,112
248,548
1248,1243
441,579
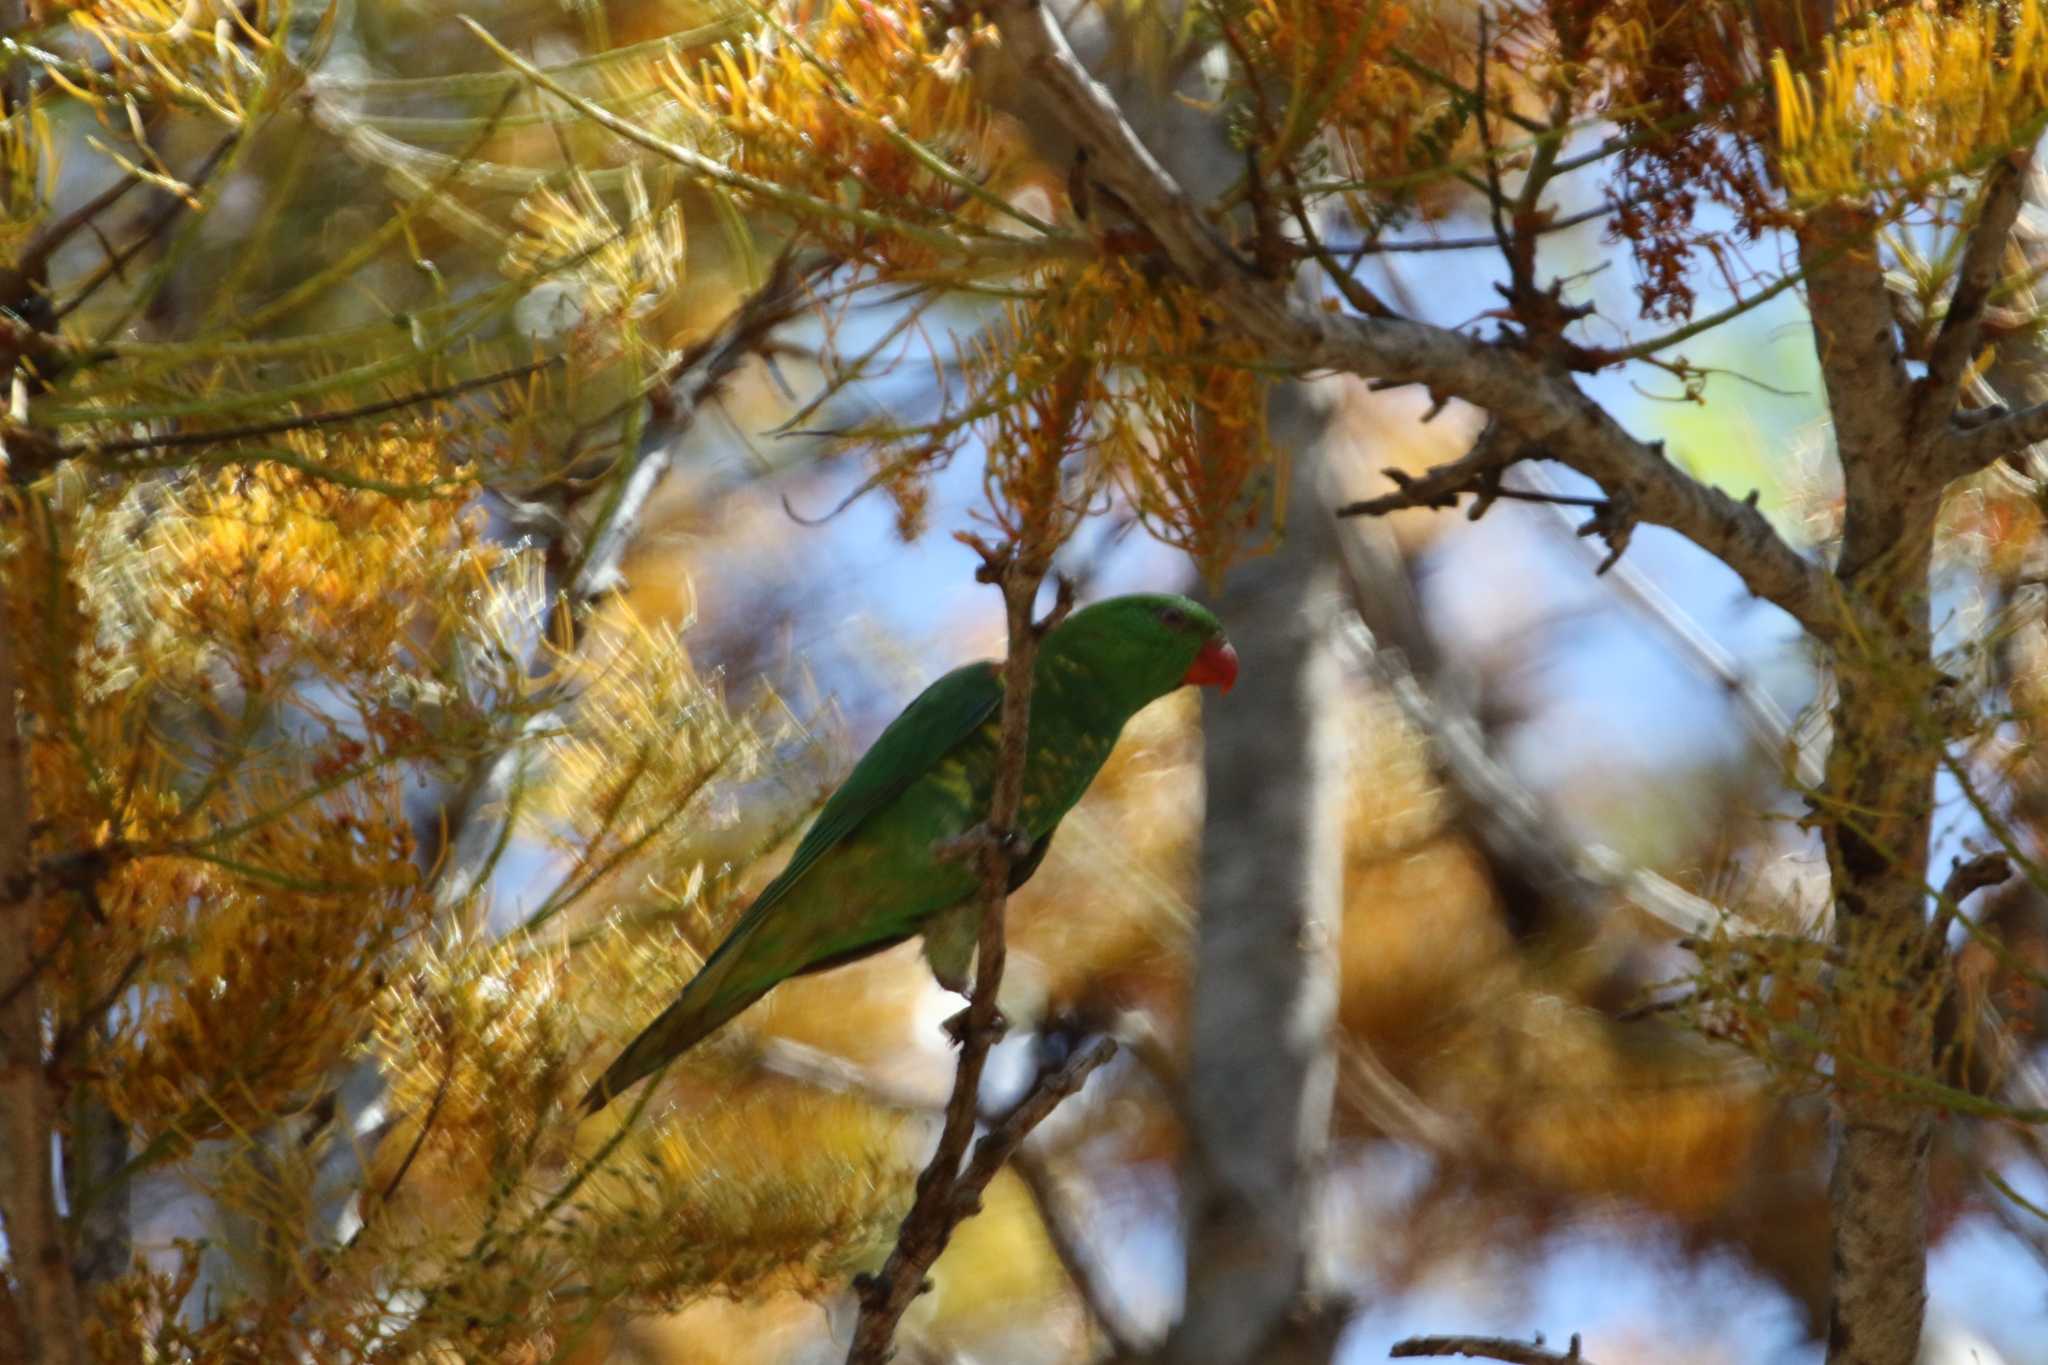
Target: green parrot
869,871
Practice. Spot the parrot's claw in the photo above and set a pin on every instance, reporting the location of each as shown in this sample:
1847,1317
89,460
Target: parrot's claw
958,1025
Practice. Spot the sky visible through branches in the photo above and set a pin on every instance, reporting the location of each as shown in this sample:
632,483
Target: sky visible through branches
1612,708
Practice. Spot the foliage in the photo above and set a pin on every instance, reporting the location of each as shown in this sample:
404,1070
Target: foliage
346,351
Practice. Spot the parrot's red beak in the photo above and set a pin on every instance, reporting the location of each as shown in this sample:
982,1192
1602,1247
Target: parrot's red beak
1217,663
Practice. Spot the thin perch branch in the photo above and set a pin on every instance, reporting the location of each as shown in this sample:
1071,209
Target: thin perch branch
946,1193
948,1197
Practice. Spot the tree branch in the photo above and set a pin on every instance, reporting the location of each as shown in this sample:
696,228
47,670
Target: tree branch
1981,438
1869,396
947,1198
826,1071
1535,399
1505,815
1490,1348
1955,345
1965,879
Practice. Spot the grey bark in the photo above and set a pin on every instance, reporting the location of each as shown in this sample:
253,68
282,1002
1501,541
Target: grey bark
1262,1065
1876,806
1261,1069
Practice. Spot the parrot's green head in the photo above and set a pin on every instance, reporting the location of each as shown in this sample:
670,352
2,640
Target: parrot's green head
1143,646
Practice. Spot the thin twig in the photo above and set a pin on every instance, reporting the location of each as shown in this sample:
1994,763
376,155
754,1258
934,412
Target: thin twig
1485,243
1773,729
36,255
1476,472
174,440
1490,1348
152,227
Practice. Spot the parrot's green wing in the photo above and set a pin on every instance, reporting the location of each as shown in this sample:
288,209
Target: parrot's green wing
942,716
945,713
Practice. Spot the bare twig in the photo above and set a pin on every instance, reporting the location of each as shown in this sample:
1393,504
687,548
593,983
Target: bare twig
1477,472
1484,243
152,227
1490,1348
1773,729
34,259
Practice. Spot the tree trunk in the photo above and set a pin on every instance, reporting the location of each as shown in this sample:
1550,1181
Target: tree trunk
45,1311
1875,809
1261,1069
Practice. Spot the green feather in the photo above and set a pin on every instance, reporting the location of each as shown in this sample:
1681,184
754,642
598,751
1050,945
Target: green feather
867,873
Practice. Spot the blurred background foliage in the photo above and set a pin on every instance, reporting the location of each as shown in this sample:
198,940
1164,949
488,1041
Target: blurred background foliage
417,750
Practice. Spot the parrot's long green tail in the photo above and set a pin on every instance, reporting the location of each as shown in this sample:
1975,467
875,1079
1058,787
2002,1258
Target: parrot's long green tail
705,1004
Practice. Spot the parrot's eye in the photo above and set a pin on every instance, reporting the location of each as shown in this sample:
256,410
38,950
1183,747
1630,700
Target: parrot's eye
1173,618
